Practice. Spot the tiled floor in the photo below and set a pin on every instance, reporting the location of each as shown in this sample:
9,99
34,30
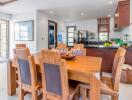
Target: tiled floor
125,90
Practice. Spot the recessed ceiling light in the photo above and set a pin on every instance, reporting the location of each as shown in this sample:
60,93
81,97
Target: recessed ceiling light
110,2
82,14
51,12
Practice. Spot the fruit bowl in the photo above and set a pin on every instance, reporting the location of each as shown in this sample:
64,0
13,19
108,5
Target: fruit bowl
68,55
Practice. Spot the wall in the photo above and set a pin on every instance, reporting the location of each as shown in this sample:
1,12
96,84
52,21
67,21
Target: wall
4,16
114,34
17,18
91,26
128,30
42,29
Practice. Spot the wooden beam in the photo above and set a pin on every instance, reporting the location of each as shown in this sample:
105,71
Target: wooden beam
6,2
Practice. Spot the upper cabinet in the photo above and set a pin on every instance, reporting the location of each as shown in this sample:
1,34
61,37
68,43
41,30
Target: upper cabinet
122,14
131,11
103,24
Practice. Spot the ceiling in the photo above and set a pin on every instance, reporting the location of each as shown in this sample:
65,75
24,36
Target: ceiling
63,9
2,2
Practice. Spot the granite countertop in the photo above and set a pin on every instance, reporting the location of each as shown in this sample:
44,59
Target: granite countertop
99,46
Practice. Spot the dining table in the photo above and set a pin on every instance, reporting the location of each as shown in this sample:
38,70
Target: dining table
82,68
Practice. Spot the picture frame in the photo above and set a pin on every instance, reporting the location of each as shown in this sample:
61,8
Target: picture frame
24,30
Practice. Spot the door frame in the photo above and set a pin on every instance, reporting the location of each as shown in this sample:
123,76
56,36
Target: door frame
56,27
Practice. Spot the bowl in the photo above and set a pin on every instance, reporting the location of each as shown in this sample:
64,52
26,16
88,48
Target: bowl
68,57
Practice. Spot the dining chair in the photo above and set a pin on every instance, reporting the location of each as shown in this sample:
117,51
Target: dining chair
55,78
79,49
120,52
61,46
110,86
27,75
20,45
14,53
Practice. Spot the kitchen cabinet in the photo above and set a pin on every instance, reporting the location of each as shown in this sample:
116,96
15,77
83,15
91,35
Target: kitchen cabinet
103,28
131,11
122,14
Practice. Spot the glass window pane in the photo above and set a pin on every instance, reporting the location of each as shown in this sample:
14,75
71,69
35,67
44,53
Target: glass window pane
71,29
70,34
70,40
103,36
70,44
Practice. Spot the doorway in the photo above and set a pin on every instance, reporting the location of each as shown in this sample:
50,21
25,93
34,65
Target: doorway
4,39
52,34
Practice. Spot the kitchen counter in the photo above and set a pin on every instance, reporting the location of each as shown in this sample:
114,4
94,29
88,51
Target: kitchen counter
99,46
107,54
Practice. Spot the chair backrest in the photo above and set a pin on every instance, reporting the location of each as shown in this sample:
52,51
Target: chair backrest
117,67
120,52
54,76
26,67
79,50
20,45
61,46
80,46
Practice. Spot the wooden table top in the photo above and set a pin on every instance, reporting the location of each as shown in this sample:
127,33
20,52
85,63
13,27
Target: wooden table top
85,64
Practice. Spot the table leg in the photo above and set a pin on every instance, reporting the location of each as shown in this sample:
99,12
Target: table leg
94,88
11,79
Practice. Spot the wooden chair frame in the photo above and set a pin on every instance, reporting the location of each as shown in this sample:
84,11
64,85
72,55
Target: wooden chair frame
110,86
114,81
51,57
20,45
23,53
81,47
61,46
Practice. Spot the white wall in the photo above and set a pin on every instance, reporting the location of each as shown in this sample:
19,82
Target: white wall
114,34
17,18
4,16
91,26
42,29
128,30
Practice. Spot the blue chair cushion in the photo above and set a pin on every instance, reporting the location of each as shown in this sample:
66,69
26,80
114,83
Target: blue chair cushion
53,78
24,71
78,52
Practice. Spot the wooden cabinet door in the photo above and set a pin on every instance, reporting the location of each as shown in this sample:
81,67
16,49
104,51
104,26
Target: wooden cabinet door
124,13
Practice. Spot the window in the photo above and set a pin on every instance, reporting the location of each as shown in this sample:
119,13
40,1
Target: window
71,30
4,39
103,28
103,36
